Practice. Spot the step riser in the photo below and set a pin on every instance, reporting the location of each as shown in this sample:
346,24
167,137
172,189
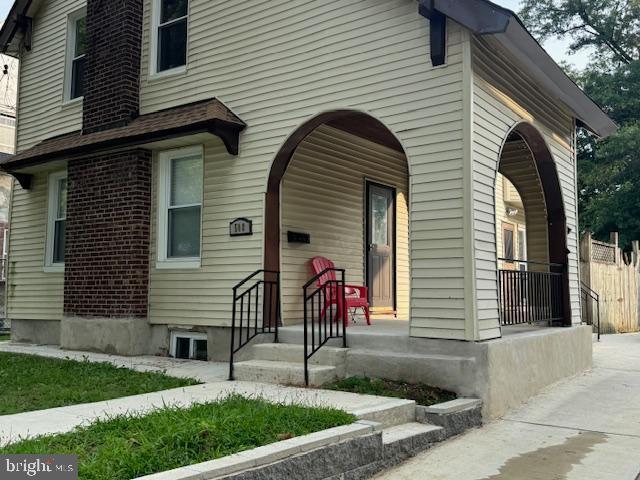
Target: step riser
295,354
291,377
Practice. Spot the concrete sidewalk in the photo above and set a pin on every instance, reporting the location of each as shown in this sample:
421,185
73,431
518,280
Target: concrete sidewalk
586,428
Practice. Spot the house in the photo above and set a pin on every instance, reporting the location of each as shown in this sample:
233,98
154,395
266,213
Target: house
168,151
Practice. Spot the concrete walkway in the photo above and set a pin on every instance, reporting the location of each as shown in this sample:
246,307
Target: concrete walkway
63,419
586,428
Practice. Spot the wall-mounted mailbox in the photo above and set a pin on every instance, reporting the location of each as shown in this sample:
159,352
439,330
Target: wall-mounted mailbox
241,227
298,237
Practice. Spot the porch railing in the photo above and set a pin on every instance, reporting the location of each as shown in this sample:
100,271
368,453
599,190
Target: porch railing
256,310
323,305
590,307
530,292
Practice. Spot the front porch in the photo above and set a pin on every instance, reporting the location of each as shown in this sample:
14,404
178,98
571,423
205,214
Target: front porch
503,372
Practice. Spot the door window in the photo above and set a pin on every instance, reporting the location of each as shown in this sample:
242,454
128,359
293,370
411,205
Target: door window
380,213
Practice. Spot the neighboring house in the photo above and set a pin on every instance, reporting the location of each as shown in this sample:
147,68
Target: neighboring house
370,132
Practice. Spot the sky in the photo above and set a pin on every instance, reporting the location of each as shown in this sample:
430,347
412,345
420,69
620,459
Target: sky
556,48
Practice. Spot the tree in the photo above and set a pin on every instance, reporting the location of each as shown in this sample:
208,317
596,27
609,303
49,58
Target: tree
611,27
609,169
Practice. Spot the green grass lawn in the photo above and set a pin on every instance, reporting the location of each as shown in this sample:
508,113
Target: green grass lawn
5,338
30,383
421,393
127,447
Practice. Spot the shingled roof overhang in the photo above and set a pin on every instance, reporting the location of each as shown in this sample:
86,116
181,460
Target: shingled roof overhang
483,17
208,116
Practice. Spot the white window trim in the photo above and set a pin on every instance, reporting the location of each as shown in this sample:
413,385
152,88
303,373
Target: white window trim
164,186
72,18
192,336
154,46
49,265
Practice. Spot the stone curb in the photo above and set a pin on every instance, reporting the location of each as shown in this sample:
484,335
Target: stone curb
455,417
267,454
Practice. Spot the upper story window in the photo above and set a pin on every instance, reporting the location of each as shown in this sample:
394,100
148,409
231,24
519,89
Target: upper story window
76,54
180,208
56,227
169,35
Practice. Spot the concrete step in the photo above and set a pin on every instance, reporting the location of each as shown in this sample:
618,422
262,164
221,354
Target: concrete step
288,352
408,439
283,373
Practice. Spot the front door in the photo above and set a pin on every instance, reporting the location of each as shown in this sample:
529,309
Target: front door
380,246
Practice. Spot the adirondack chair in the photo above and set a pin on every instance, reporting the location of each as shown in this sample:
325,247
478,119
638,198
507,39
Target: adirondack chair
355,296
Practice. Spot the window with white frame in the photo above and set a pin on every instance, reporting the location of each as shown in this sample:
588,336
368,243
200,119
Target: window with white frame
169,43
56,229
76,54
189,345
180,208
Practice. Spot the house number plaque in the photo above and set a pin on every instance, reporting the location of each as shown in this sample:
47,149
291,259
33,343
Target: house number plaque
241,227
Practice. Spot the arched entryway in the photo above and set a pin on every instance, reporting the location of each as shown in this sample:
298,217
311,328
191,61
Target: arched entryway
531,232
338,188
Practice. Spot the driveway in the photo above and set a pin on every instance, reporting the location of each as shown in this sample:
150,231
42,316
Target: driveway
585,428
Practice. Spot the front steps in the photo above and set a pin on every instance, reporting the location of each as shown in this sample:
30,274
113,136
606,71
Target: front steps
283,363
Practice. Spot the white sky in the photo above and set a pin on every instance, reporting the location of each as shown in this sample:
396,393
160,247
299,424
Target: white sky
557,49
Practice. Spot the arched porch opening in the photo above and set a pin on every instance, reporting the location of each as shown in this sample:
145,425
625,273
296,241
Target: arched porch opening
531,233
338,188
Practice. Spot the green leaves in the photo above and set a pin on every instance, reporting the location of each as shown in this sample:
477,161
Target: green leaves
611,27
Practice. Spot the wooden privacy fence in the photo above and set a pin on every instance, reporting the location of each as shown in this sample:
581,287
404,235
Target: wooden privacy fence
615,276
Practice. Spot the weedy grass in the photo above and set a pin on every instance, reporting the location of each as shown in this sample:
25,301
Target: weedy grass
126,447
421,393
29,382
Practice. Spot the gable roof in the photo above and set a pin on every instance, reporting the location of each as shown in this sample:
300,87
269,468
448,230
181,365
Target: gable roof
483,17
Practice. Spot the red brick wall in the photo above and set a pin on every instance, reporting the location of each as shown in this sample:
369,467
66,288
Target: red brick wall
112,78
107,243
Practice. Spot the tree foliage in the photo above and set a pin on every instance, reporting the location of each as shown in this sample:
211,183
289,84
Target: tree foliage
609,169
611,27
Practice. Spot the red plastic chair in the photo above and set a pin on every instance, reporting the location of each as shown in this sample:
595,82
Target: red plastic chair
355,296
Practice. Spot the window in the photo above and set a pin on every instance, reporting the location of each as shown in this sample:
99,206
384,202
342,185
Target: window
56,230
507,239
180,208
76,55
170,35
189,345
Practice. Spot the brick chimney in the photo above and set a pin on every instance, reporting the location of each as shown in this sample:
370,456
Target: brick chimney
112,77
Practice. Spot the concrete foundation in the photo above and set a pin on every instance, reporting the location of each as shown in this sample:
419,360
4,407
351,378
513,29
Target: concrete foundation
502,372
118,336
39,332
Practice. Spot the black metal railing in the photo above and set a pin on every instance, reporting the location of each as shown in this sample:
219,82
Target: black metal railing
590,307
256,310
325,312
531,292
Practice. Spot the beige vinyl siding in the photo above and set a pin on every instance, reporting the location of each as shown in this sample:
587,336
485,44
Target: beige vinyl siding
32,294
203,296
278,67
323,194
502,97
41,113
